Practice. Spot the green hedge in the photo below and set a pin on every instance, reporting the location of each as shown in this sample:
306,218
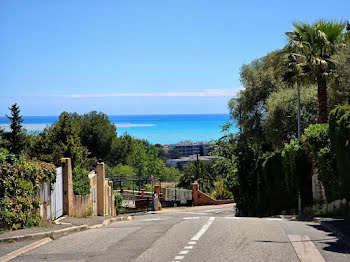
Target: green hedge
339,132
317,140
19,186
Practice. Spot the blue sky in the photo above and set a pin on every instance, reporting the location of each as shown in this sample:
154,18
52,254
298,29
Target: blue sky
139,57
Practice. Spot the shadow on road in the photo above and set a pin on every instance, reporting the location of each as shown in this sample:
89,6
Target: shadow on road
332,246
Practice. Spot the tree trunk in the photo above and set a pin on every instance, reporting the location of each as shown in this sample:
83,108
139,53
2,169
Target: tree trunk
322,101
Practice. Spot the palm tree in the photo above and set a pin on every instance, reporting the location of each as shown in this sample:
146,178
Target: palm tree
310,49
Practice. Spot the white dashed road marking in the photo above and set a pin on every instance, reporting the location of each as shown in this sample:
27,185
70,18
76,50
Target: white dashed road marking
203,229
151,219
190,218
195,213
194,239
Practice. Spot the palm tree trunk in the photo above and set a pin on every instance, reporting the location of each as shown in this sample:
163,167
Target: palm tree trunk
322,101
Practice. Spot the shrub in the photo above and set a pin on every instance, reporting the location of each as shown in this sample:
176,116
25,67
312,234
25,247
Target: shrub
317,140
19,186
81,182
339,132
297,170
271,192
220,190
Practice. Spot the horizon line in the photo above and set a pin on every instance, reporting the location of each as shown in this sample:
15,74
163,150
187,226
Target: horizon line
158,114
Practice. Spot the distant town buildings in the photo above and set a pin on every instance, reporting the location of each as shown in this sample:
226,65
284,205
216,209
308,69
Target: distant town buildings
181,162
188,148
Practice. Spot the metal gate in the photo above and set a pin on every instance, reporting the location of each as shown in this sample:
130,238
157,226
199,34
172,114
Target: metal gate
57,195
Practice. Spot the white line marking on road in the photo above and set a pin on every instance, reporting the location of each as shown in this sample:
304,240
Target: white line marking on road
150,219
196,213
305,249
25,249
196,237
203,229
212,210
233,217
274,219
190,218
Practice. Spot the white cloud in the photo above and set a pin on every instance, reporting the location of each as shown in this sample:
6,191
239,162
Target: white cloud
208,92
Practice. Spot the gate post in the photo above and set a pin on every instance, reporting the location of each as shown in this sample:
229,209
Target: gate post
101,189
67,186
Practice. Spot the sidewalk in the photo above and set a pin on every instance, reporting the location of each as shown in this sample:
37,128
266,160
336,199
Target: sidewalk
61,227
339,227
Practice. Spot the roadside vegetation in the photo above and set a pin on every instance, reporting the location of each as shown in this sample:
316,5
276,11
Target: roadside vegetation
268,165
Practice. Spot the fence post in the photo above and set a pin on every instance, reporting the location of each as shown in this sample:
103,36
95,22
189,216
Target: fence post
101,189
67,180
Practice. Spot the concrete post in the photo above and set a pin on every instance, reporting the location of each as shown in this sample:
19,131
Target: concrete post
112,198
101,189
67,180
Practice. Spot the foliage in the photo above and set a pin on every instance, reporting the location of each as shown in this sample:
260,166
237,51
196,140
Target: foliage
201,172
220,190
339,131
297,169
174,154
121,169
19,186
289,162
170,174
260,78
317,140
118,202
81,181
281,122
97,132
59,140
311,48
16,137
245,181
121,150
340,87
272,196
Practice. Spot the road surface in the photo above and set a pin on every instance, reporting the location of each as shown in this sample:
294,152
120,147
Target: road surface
196,234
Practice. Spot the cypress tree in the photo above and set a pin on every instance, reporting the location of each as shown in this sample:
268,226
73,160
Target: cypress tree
15,136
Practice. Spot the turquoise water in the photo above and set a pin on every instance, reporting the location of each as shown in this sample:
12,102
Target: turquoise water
163,129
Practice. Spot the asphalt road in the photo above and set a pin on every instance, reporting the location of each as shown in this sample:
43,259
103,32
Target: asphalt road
196,234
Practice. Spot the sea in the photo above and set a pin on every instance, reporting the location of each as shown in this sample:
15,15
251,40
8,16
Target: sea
161,129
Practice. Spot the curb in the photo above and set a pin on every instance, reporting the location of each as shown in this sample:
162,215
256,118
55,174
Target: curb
62,232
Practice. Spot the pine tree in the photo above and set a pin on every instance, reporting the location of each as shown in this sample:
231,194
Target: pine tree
15,136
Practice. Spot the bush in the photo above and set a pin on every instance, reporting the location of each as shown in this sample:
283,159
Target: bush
271,191
339,131
317,140
297,169
220,190
19,186
81,181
